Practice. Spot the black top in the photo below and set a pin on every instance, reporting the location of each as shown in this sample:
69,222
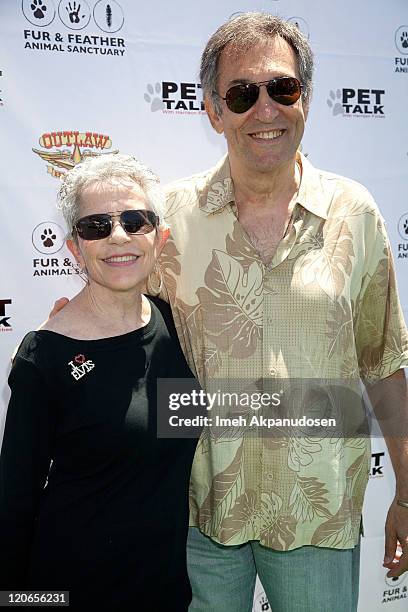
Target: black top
110,525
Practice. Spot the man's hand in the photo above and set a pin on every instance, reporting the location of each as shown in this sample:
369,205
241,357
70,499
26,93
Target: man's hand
59,305
396,529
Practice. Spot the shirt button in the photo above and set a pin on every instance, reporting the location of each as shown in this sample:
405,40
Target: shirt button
273,371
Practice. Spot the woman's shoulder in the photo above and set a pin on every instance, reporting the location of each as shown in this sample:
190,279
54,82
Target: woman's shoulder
35,349
63,322
166,314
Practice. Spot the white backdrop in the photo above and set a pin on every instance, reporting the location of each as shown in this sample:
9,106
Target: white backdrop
92,76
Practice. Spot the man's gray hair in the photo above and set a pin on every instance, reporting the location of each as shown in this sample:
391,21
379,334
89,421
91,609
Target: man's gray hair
106,169
242,33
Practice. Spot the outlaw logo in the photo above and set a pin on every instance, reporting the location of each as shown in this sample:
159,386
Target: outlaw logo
63,150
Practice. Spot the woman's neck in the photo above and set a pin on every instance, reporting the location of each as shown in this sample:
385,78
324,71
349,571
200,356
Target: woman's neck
121,311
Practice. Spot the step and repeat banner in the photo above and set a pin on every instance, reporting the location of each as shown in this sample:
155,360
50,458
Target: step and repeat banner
88,77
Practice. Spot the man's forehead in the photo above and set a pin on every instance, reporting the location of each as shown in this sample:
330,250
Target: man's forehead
271,51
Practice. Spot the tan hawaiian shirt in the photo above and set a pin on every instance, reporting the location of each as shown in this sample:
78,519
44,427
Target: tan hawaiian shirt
325,307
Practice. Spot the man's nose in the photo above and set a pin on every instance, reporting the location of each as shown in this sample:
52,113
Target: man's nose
266,109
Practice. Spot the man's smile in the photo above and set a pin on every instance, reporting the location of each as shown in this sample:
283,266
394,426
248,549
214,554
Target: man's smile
267,134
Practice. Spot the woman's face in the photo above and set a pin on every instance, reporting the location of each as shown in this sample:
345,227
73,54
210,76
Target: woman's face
120,262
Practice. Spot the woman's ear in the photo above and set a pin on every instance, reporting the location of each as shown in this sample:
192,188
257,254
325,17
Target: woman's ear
74,249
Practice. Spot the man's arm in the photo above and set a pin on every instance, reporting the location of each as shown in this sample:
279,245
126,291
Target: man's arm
389,398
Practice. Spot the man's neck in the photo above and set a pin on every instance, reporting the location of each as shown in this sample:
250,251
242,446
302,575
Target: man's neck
265,189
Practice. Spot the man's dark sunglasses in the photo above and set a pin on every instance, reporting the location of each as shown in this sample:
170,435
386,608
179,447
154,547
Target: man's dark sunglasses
284,90
96,227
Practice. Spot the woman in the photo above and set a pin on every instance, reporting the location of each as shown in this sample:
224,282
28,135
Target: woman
110,525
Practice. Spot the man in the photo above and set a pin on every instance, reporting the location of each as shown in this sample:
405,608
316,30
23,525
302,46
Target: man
278,270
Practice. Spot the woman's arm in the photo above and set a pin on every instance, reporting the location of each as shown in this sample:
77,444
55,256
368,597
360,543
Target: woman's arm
24,465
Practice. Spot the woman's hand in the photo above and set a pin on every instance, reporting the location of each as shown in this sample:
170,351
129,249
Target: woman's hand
58,305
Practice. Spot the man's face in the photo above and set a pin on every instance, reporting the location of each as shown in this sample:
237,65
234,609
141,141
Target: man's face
268,134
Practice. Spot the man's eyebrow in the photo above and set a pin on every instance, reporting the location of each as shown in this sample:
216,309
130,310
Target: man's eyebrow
240,82
248,81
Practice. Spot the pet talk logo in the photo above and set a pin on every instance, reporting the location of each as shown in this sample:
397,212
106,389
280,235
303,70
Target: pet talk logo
62,150
403,232
5,326
401,42
376,470
74,15
175,98
351,102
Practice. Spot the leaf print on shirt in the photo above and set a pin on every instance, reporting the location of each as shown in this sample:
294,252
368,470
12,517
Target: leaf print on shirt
328,263
232,304
178,199
225,488
277,530
242,519
371,320
219,194
240,247
212,361
307,499
338,532
339,328
170,266
301,451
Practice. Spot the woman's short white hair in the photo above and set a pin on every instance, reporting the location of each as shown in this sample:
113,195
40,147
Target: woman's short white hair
102,169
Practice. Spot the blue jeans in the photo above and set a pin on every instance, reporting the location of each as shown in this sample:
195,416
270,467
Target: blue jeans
307,579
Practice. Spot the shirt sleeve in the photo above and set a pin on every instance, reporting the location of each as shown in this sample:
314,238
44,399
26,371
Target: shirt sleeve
380,330
24,464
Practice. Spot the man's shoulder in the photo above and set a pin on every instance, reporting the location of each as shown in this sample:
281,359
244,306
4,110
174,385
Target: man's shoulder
191,191
348,192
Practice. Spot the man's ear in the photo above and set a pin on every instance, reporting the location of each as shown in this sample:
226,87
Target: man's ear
215,120
74,249
306,106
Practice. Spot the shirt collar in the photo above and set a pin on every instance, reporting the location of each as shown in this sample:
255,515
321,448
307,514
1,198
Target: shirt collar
220,191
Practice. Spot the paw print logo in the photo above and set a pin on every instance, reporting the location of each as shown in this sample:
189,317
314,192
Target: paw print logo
401,39
39,9
153,97
334,102
403,226
39,12
75,14
48,237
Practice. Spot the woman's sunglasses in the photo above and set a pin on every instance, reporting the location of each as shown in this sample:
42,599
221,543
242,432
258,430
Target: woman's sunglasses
284,90
96,227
